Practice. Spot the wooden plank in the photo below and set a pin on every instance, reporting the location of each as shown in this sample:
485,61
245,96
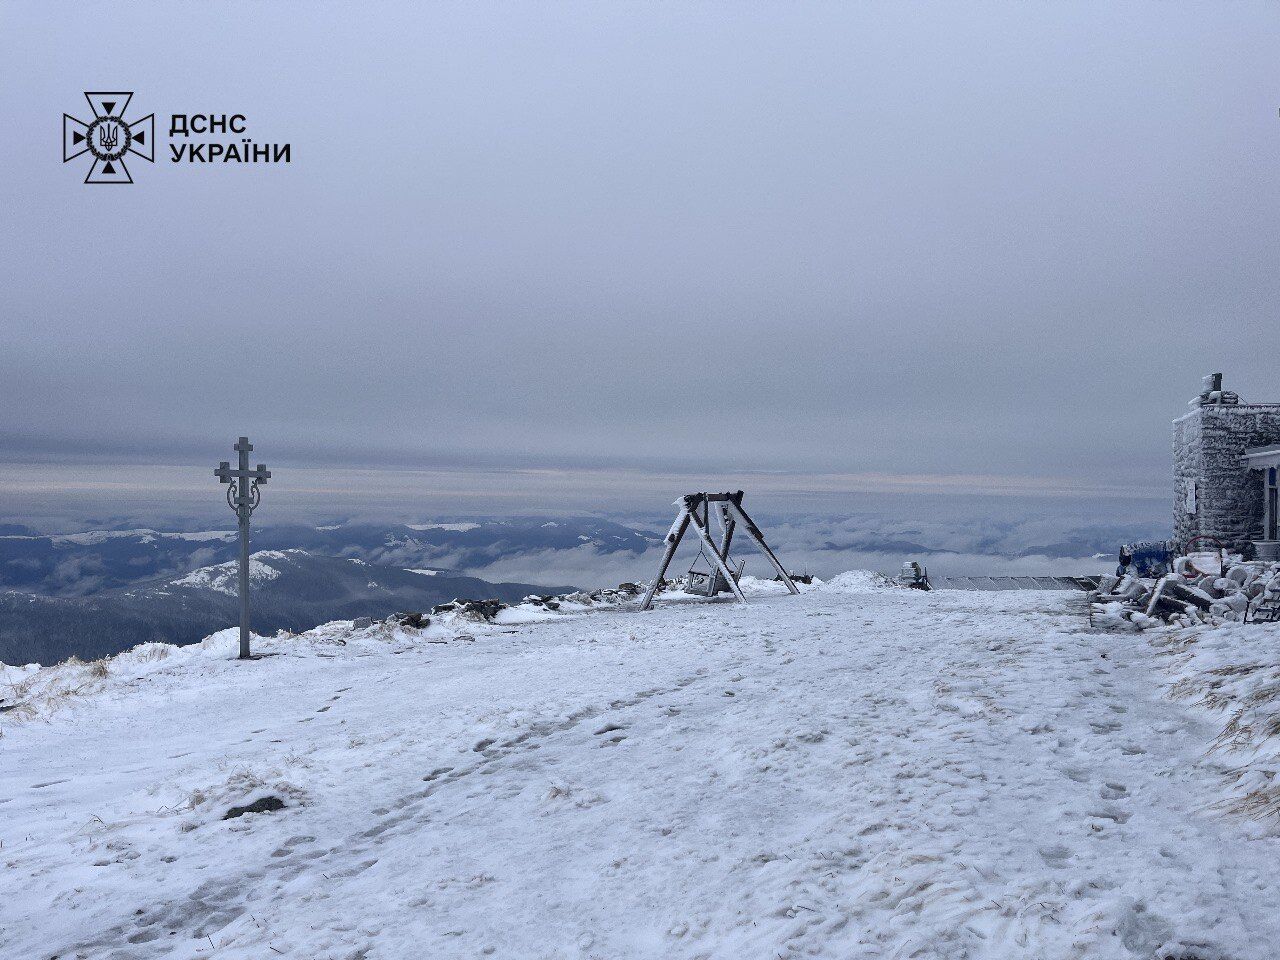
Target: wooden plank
715,557
674,536
754,533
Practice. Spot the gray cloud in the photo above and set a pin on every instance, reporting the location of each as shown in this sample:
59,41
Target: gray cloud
911,239
1015,538
590,569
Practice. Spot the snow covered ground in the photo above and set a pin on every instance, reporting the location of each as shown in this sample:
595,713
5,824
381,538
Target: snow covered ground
855,772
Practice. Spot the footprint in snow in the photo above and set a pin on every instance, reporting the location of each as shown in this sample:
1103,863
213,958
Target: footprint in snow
1116,816
1113,791
286,848
1055,855
611,728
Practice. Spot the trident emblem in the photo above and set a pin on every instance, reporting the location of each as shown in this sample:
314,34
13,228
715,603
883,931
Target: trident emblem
109,135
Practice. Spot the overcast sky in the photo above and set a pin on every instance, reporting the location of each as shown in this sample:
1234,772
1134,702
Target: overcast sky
915,241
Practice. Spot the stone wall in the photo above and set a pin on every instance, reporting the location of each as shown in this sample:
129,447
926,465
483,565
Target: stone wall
1207,444
1187,469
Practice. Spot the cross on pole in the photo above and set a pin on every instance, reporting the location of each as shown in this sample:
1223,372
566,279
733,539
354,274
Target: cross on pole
243,496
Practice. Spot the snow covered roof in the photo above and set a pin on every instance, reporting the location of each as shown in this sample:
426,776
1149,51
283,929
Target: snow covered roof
1258,457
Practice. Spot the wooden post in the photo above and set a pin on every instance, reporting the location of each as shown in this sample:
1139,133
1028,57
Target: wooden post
707,542
735,504
674,535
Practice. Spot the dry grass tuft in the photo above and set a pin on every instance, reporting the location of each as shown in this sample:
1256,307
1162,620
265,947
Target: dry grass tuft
1260,804
1234,670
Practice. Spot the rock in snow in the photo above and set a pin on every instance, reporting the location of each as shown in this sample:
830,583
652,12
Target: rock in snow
261,805
896,774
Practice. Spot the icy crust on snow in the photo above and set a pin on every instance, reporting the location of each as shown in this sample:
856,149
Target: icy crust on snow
39,692
10,675
879,773
33,691
1233,672
855,581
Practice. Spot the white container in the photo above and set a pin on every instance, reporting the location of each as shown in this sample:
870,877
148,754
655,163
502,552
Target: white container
1205,562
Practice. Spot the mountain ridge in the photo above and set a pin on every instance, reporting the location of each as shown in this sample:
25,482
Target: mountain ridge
290,590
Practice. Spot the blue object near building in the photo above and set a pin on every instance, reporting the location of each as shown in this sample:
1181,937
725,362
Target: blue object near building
1146,558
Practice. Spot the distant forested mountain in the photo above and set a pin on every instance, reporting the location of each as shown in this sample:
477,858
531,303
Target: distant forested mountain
86,564
292,590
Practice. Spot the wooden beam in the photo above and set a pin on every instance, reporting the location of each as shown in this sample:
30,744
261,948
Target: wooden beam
674,535
716,559
735,504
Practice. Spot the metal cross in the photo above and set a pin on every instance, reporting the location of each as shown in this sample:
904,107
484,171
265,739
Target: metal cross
243,496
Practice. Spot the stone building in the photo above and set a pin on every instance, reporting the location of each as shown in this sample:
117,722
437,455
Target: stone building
1226,455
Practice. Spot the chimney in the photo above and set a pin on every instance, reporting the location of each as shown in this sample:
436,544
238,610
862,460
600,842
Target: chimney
1213,394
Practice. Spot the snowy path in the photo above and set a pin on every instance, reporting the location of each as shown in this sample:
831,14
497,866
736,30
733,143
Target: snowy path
850,773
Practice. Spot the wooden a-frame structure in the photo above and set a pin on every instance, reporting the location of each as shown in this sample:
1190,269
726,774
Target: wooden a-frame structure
695,509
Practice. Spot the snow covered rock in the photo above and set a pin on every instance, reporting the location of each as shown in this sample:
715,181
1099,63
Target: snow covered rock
1174,599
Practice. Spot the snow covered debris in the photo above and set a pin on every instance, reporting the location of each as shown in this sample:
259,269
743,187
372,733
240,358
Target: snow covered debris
1185,597
861,771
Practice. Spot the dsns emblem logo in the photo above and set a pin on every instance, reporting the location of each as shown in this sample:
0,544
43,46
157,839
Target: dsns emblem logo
108,137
